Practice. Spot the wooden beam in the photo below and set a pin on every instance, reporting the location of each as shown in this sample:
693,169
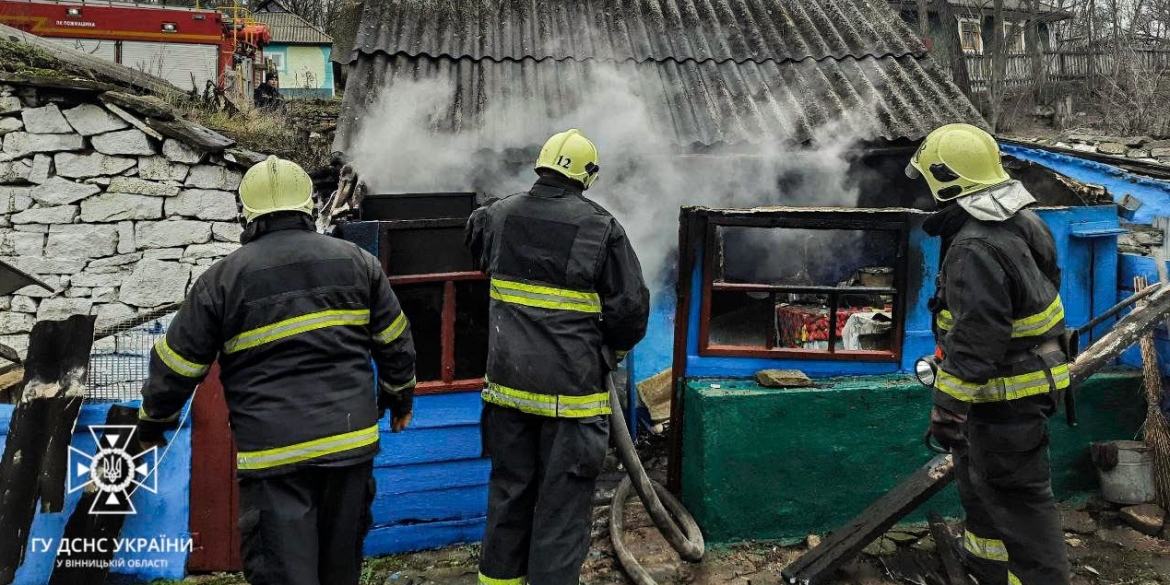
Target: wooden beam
96,66
35,452
91,567
956,575
818,565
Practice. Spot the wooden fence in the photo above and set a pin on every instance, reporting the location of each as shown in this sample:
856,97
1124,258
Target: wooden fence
1068,65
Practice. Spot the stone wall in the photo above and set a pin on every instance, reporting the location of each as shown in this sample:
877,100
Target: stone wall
115,216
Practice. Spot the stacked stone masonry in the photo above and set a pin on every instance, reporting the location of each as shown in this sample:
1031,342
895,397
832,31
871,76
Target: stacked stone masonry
115,220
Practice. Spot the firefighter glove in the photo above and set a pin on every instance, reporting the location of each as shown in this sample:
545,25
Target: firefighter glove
947,428
152,434
400,403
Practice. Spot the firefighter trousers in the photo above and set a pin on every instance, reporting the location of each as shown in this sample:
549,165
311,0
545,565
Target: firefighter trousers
306,527
540,497
1013,532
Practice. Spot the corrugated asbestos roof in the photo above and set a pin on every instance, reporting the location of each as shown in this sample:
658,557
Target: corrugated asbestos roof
290,29
710,71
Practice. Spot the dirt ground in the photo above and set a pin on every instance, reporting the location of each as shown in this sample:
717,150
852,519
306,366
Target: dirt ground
1102,550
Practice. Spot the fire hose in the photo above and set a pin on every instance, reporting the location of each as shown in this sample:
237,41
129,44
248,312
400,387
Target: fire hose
669,516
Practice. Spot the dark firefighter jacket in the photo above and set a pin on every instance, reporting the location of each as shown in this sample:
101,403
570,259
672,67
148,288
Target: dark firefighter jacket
294,318
997,301
566,290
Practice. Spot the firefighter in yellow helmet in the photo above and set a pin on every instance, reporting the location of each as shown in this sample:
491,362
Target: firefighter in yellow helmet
293,319
999,322
567,302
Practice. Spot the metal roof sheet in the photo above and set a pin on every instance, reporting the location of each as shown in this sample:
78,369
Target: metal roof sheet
290,29
720,30
709,71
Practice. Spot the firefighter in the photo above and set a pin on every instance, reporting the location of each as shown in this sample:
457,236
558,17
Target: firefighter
267,96
567,302
297,321
999,322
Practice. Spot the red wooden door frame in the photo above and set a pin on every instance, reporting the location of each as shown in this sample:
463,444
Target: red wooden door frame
214,493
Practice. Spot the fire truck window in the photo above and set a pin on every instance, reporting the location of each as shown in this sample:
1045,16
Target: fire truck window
471,329
423,305
805,290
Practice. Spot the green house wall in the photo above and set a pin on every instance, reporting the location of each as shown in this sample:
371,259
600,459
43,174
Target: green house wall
762,463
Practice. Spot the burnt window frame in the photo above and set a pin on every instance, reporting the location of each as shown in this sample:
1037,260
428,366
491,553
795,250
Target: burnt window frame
897,222
446,384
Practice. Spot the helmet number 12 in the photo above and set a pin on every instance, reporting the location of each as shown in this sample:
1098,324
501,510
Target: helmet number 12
564,161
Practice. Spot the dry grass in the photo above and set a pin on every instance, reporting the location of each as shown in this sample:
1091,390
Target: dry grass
288,135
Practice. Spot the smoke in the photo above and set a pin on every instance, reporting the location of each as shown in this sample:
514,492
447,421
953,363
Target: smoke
406,145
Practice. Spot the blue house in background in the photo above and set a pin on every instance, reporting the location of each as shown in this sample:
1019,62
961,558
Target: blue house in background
301,52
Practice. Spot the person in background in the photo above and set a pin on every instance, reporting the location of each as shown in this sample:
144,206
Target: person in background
296,321
567,302
267,96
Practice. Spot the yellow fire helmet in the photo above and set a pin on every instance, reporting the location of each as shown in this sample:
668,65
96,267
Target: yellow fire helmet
958,160
571,154
275,185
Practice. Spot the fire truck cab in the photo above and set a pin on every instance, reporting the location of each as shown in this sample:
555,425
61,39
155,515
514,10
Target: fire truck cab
189,47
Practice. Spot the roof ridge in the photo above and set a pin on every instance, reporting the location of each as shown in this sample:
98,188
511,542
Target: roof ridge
678,60
258,16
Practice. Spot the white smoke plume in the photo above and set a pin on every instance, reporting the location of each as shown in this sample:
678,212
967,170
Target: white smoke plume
643,181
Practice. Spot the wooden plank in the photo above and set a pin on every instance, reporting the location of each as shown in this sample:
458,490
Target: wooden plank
412,537
942,538
428,446
91,567
433,506
818,565
134,121
54,374
214,491
85,62
192,134
424,477
61,419
147,106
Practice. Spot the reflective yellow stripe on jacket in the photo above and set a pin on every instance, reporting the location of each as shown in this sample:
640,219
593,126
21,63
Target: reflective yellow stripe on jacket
296,325
394,331
551,405
545,297
1001,389
1029,326
269,458
177,363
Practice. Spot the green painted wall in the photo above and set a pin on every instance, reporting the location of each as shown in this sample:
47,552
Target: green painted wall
772,464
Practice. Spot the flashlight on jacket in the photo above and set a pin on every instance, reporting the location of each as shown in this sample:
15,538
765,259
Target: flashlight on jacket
926,369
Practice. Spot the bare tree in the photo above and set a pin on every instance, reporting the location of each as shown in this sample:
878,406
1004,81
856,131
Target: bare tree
954,45
923,19
997,81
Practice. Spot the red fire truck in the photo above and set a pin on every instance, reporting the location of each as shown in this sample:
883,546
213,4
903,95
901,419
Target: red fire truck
187,46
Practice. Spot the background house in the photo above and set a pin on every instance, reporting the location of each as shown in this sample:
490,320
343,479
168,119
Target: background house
976,23
301,52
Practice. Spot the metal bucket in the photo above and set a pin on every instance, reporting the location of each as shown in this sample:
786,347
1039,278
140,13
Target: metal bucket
1132,481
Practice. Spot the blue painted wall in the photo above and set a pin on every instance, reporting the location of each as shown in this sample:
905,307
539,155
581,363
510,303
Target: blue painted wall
432,483
159,515
1154,194
1131,266
1089,286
